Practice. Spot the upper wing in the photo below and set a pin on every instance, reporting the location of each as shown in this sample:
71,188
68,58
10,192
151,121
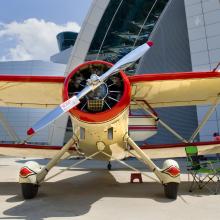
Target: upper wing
31,91
176,89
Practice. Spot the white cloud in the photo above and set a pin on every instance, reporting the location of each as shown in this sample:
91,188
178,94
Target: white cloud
35,39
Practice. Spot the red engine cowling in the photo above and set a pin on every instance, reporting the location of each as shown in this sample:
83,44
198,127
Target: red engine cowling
105,102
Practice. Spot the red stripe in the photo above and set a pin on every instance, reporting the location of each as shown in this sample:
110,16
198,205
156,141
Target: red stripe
160,146
30,146
140,127
11,78
146,146
172,76
149,106
139,116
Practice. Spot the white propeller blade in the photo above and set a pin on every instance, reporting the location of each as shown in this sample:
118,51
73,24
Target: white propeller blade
75,100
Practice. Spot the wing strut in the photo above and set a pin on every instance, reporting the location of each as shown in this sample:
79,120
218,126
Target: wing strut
146,106
205,119
150,110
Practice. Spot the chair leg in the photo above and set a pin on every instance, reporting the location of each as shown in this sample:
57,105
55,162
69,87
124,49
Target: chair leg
204,184
217,185
193,182
211,179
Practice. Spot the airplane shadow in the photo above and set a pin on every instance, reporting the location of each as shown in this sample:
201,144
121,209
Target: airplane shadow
75,196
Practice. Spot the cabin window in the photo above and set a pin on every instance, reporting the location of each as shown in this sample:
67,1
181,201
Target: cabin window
82,133
110,133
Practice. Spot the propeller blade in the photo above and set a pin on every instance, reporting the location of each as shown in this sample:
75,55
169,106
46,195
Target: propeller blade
75,100
128,59
54,114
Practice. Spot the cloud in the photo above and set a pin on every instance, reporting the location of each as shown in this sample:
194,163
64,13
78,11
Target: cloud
34,39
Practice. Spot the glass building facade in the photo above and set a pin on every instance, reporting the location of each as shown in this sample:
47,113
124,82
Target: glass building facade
124,26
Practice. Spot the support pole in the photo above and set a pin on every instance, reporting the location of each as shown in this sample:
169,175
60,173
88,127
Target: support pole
162,123
74,165
55,160
130,167
205,119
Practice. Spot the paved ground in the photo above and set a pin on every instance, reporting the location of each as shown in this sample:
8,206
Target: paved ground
93,193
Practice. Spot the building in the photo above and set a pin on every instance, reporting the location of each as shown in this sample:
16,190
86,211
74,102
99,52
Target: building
186,35
203,21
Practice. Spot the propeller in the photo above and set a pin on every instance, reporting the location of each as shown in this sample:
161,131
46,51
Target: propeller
92,84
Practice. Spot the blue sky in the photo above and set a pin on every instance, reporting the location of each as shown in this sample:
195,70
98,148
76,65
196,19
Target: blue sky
28,27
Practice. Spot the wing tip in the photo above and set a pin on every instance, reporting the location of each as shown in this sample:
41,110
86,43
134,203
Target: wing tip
30,131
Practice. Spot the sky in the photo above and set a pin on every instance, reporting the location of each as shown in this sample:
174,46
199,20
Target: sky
28,28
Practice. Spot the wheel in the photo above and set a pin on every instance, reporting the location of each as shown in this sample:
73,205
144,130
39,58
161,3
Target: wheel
171,190
29,190
109,166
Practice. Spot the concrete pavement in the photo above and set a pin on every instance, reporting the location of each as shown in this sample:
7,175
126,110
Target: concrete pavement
92,192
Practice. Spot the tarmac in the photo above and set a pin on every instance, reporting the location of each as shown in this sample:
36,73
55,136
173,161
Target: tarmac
91,192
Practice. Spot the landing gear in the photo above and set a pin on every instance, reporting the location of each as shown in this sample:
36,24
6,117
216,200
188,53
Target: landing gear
170,190
31,174
29,190
109,166
169,175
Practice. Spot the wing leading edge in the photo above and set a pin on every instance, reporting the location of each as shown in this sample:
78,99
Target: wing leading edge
176,89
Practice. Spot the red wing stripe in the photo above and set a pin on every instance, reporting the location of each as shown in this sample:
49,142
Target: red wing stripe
172,76
142,127
160,146
140,116
146,146
30,146
11,78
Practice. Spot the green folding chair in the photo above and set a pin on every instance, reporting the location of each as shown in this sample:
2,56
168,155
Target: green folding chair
202,170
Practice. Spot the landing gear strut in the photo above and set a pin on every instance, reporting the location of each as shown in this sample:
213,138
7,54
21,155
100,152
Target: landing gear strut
169,175
31,174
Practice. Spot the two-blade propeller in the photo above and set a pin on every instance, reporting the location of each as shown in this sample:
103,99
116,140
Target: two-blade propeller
92,84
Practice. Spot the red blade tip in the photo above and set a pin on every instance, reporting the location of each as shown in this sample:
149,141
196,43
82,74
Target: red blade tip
30,131
150,43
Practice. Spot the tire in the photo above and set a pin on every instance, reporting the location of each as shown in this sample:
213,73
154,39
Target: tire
29,190
171,190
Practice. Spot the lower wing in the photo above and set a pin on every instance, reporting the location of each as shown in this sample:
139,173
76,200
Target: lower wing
178,150
28,150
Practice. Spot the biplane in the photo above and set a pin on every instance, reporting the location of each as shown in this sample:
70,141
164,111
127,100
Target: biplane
99,97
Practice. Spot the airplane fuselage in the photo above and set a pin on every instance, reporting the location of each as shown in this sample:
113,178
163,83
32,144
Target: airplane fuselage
107,135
